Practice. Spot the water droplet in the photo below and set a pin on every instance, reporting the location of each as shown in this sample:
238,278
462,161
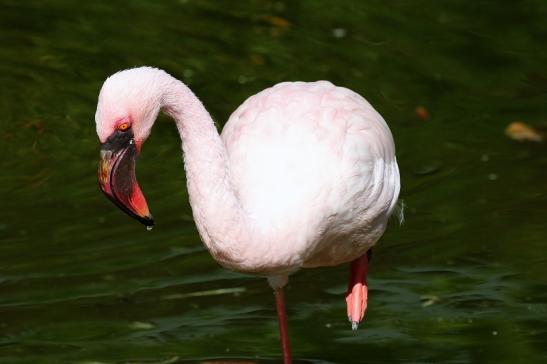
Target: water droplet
149,227
339,32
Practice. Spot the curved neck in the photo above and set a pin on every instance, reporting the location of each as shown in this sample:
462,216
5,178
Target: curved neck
217,211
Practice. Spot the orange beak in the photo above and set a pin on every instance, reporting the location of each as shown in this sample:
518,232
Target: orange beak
117,176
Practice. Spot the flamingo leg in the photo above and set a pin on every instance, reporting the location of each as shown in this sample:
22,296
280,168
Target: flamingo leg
357,295
282,319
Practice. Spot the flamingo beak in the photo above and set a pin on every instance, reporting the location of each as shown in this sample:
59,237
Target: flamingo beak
117,176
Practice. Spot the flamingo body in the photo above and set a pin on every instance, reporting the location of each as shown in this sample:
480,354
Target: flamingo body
314,166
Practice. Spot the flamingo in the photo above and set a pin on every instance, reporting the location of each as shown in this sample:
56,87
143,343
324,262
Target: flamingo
303,175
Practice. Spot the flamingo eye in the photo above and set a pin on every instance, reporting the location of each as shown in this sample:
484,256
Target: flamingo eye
123,126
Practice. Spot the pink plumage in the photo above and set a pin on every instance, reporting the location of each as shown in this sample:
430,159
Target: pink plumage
303,174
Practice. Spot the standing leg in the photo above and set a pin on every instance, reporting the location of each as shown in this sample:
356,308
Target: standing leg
277,283
357,295
282,318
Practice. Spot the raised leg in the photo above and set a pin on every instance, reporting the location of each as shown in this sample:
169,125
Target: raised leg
282,319
357,295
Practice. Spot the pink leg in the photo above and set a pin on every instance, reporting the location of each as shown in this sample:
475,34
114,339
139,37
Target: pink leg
356,297
282,319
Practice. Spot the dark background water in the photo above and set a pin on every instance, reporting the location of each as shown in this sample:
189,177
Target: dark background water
463,280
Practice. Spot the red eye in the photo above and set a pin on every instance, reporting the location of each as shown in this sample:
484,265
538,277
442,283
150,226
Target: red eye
123,126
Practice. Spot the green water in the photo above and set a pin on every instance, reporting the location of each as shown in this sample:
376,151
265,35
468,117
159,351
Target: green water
462,281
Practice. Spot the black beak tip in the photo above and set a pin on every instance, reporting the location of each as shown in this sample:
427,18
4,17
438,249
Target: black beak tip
147,221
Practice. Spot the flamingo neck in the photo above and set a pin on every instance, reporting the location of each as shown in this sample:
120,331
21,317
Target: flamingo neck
217,211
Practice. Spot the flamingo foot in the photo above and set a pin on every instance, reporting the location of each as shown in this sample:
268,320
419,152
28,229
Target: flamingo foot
357,295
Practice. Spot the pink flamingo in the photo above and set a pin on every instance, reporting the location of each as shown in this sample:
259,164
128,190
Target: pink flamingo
303,175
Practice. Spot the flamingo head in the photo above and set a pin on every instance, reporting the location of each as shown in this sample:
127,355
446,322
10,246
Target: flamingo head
128,105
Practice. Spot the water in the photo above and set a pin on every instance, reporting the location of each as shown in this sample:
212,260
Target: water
461,281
